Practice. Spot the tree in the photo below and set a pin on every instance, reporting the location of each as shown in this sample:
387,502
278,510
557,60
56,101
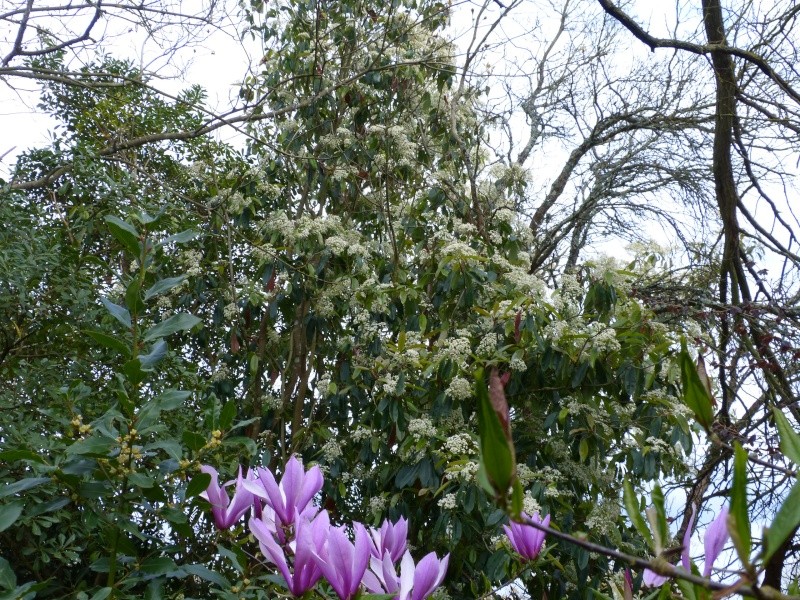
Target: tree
332,292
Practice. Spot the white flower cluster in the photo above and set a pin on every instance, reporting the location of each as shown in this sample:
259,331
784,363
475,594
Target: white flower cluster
448,501
230,311
331,450
459,389
220,373
460,443
323,386
530,505
456,349
466,471
390,385
603,517
525,474
488,345
421,428
518,364
271,401
377,504
361,433
190,259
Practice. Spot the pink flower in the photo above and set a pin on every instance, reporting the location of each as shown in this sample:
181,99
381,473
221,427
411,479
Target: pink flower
416,582
300,571
342,562
653,579
714,541
391,537
225,511
292,496
526,540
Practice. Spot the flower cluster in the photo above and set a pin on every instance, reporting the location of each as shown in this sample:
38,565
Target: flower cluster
296,536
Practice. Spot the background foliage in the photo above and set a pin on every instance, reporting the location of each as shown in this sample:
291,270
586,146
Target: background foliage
168,300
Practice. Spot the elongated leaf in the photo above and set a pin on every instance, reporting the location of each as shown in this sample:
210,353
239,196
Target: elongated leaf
785,522
109,341
158,565
22,485
634,514
738,517
198,484
10,456
120,313
661,527
9,513
227,415
163,285
157,352
694,392
497,456
172,399
8,580
790,439
193,441
95,445
181,238
133,296
125,233
179,322
207,574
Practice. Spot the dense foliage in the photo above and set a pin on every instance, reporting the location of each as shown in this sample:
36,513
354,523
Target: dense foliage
330,292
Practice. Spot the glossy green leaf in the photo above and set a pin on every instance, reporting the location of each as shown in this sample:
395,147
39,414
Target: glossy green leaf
694,392
496,454
10,456
634,513
181,238
126,234
9,513
207,575
198,484
22,485
790,439
163,285
227,414
157,352
109,341
175,323
193,441
661,529
133,296
786,520
120,313
8,580
158,565
738,519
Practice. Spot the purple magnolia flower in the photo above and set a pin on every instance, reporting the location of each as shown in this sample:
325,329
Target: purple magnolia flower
653,579
298,566
225,511
391,538
526,540
715,538
416,582
342,562
292,496
686,562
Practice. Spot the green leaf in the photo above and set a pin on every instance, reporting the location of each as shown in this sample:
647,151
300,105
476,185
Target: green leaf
120,313
207,574
158,565
10,456
496,453
634,514
109,341
180,238
193,441
95,445
8,580
227,414
738,519
102,593
163,285
694,392
198,484
133,371
785,522
661,528
125,233
133,296
157,352
22,485
9,513
790,440
172,399
517,497
179,322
